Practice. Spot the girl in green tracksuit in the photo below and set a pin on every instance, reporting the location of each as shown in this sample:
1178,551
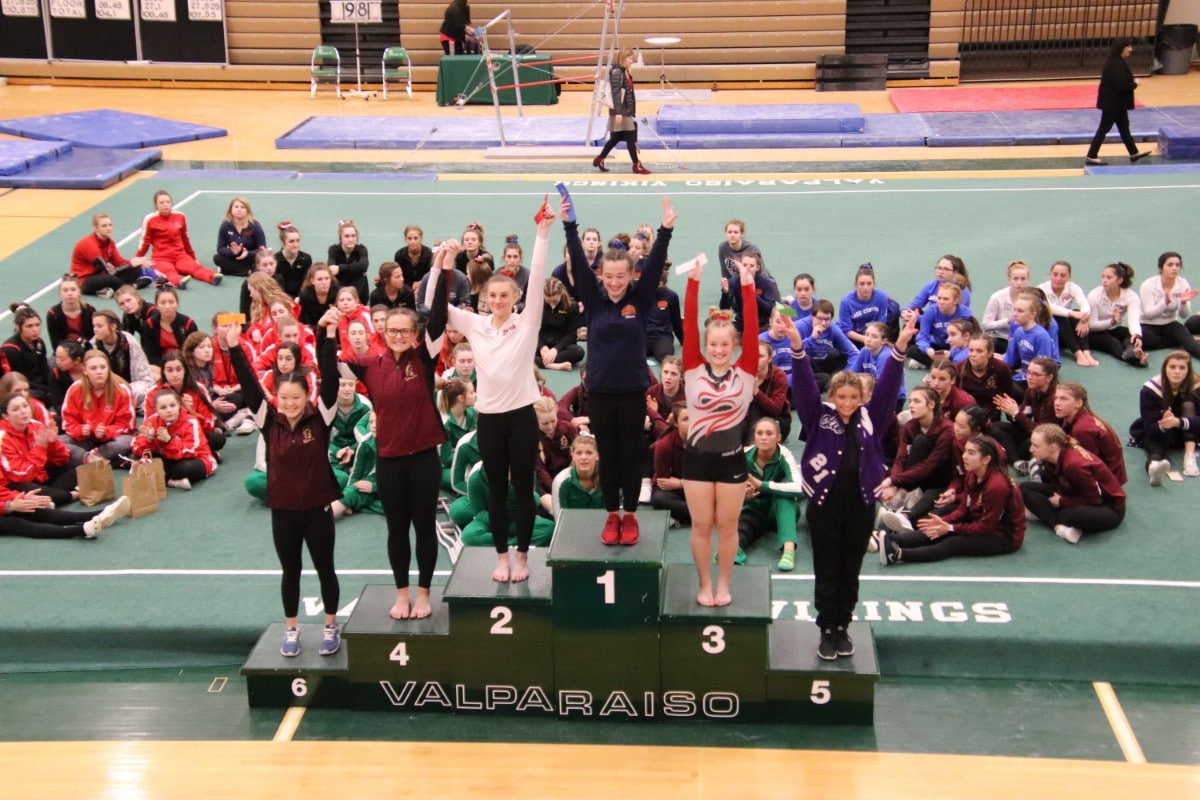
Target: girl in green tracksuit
773,494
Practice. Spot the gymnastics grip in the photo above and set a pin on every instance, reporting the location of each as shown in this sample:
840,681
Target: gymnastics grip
566,196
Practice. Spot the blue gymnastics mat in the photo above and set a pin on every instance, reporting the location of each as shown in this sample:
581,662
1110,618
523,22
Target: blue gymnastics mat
83,168
107,128
1067,126
817,118
436,133
1178,141
17,155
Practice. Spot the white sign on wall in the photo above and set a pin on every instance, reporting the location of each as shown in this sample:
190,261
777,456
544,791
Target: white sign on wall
19,8
113,9
204,10
68,9
158,10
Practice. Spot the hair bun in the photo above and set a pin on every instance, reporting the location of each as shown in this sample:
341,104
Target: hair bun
719,314
617,244
284,225
511,239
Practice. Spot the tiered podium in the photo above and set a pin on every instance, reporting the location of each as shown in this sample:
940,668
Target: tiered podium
596,632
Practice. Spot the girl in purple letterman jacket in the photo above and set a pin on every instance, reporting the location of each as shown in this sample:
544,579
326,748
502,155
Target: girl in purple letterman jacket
842,467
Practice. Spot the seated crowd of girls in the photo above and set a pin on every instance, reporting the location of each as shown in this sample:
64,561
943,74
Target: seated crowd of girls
991,399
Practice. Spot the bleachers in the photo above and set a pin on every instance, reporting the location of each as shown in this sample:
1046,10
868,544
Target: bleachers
736,44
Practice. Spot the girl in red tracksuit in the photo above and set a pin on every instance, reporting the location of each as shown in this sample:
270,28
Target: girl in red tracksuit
165,236
194,397
33,515
31,456
15,383
175,434
352,310
98,412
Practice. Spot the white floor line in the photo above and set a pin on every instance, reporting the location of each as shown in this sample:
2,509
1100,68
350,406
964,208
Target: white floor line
258,573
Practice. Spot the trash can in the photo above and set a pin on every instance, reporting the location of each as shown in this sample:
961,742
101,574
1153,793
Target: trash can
1175,46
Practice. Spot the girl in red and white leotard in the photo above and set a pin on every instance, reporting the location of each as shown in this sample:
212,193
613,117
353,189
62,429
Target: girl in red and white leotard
719,392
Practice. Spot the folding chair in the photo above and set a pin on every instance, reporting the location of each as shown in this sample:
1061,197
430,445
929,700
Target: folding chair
326,63
396,67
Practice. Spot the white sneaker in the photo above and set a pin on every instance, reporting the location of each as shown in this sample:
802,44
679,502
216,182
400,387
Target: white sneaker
90,529
895,521
1029,515
914,497
247,427
182,483
914,364
1072,535
873,542
1158,470
105,293
645,491
1021,467
112,512
897,501
1190,468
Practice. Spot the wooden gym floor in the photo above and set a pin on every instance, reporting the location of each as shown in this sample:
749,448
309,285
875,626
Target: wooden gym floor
142,762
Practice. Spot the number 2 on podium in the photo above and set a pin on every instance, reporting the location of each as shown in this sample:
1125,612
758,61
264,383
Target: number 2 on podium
609,581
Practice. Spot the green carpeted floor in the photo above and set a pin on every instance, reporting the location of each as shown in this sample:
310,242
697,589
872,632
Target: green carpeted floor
196,583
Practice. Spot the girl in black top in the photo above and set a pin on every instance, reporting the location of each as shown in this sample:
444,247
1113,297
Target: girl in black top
453,33
318,294
391,288
300,481
415,258
25,351
557,347
1115,99
348,259
292,263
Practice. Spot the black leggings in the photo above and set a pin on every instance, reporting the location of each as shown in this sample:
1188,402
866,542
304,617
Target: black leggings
189,469
674,502
45,523
292,530
628,137
1173,335
659,347
408,490
915,547
839,531
571,354
617,423
94,283
237,267
1156,442
61,481
1117,342
1089,519
1068,339
1120,118
919,449
508,444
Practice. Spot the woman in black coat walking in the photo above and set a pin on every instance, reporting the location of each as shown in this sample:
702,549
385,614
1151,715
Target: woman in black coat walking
1115,99
622,117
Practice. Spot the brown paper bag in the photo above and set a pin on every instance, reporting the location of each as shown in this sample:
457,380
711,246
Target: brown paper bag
95,480
154,468
143,498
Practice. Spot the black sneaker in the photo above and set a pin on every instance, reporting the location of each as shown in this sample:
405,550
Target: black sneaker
827,650
889,551
843,642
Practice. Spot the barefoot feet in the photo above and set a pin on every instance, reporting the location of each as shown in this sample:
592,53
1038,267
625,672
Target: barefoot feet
401,608
501,573
422,608
722,597
520,567
705,596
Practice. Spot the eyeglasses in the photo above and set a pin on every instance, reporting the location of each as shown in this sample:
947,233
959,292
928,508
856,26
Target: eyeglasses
400,331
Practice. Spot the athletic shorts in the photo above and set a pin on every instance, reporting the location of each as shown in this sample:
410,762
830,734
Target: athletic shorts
699,465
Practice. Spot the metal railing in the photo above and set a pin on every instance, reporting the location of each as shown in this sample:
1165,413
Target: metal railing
1041,39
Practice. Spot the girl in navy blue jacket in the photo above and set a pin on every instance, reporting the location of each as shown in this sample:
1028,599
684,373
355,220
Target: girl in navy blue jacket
842,469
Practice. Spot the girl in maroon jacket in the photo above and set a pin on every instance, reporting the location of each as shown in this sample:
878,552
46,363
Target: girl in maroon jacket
1092,433
667,491
989,519
1036,407
300,482
1078,494
924,458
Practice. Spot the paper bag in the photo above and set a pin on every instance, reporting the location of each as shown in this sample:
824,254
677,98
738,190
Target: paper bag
154,468
143,498
95,480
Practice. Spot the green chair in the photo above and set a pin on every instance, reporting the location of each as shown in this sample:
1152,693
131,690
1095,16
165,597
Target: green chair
396,67
326,64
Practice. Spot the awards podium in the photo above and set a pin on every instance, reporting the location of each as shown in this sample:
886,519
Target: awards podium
596,632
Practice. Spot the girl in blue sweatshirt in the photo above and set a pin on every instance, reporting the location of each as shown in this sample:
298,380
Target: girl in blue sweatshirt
932,339
864,305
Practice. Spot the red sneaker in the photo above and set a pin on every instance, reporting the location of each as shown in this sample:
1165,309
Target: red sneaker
629,529
612,529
